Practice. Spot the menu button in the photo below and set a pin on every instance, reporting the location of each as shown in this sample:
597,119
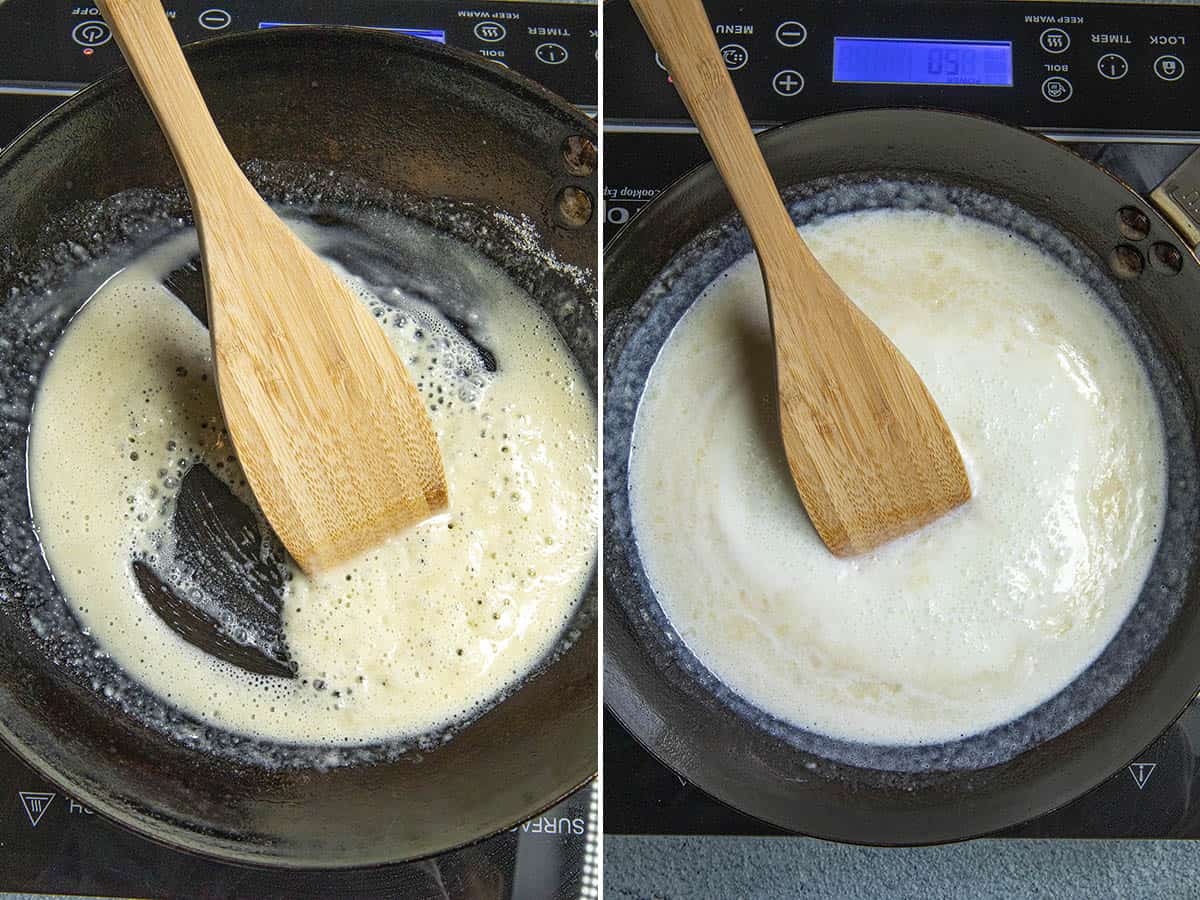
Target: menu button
735,56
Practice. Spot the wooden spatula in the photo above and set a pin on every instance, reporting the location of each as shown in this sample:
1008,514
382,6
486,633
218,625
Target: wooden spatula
328,427
868,449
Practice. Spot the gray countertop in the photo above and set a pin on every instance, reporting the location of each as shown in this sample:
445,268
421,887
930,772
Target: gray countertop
770,868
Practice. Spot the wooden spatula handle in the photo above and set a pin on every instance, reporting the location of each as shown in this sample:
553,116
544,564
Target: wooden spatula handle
683,36
145,36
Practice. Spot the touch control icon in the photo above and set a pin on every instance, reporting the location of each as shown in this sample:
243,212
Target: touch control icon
735,56
1057,89
788,83
1055,40
35,804
1168,67
92,33
215,19
1112,66
551,54
490,32
1141,772
791,33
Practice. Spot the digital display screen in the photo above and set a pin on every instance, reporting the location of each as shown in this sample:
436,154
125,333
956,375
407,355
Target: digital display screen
914,61
429,34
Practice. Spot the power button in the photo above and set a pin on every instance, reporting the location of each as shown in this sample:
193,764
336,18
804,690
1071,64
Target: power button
92,33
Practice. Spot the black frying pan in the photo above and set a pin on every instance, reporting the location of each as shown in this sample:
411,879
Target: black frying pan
811,784
402,116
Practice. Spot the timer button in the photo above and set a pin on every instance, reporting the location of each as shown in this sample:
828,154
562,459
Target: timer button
787,82
791,33
1057,89
1113,66
1055,40
1168,67
551,54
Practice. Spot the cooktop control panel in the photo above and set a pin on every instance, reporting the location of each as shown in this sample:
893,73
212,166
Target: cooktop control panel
1056,67
50,50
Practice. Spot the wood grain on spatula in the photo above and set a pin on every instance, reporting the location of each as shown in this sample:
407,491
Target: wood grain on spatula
333,436
868,449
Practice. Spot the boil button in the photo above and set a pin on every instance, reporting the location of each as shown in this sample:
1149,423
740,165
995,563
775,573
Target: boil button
1057,89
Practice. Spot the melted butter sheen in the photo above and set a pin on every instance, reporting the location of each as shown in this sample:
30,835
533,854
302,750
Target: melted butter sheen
407,639
977,618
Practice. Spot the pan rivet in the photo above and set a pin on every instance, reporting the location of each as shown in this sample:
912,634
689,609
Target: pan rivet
1134,223
579,154
1126,262
1166,258
573,207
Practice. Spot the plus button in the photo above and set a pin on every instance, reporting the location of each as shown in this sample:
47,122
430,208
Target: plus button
788,83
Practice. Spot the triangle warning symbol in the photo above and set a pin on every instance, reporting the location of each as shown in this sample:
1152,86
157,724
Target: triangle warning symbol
1141,772
36,803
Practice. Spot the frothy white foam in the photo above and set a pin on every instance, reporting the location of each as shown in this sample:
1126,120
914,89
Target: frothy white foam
977,618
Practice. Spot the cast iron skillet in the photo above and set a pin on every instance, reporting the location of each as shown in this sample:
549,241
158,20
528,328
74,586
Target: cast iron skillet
404,115
841,791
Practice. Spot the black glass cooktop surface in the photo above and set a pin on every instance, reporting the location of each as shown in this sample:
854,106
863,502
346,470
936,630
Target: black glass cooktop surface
51,843
1157,796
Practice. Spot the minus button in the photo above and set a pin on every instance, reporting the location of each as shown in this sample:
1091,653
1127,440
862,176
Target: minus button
791,33
215,19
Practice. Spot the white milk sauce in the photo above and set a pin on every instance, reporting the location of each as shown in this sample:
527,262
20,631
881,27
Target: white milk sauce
975,619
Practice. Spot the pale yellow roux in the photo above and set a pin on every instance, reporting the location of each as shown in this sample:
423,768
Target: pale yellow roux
425,629
980,616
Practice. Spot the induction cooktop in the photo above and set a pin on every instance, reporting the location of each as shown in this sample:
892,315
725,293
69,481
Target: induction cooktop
1118,82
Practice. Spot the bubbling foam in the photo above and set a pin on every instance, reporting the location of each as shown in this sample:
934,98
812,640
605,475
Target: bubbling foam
425,631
